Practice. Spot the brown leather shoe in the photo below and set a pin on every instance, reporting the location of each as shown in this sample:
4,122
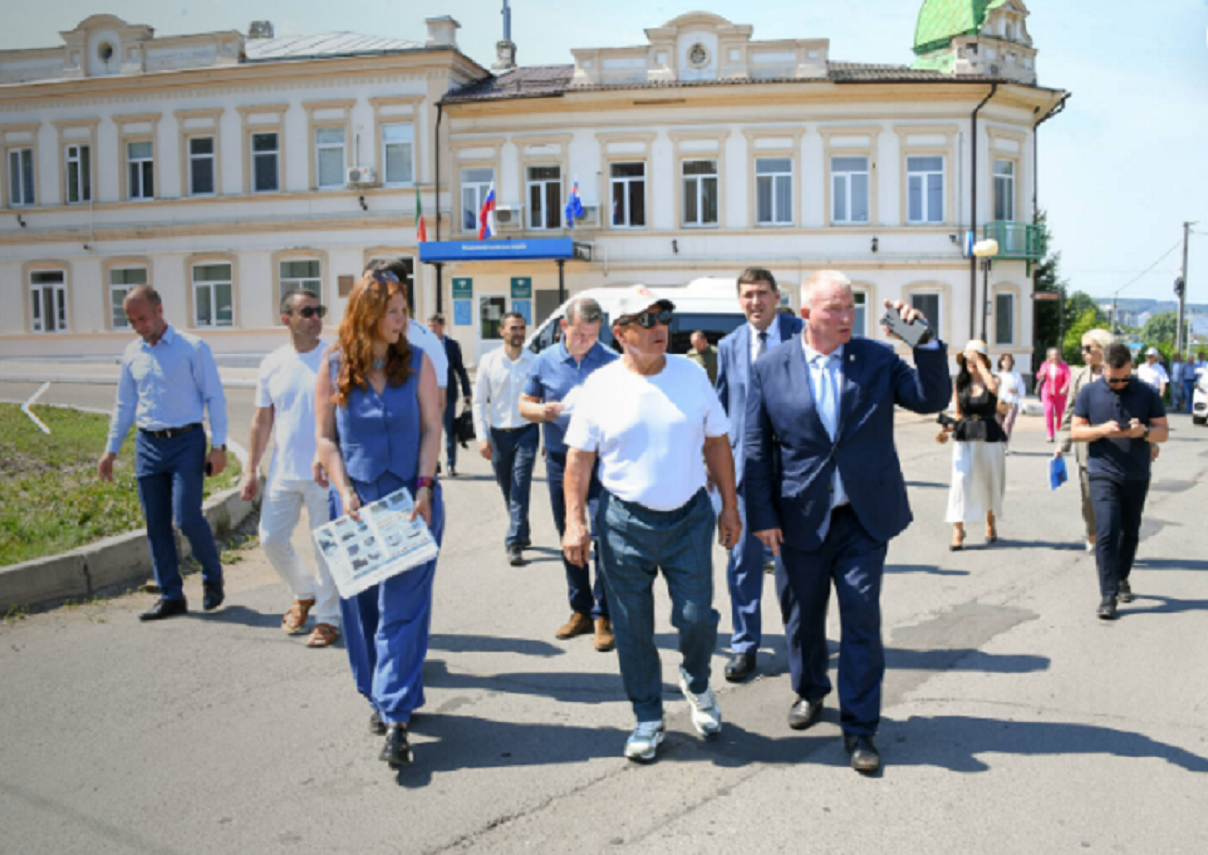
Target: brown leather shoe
577,625
604,639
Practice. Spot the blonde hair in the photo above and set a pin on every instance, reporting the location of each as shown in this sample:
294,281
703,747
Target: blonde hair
1100,337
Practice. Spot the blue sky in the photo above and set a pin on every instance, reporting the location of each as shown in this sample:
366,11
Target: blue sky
1120,170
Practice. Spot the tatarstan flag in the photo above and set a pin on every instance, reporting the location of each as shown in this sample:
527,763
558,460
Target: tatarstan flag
421,232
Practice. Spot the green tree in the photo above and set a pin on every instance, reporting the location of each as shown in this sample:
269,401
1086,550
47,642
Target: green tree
1090,319
1048,319
1160,329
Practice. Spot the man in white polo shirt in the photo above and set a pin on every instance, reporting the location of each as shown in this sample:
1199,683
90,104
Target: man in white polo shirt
285,399
656,425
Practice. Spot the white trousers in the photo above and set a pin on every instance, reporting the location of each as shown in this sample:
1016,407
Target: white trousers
979,478
279,514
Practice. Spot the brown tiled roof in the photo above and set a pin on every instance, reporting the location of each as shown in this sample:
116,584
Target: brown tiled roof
553,81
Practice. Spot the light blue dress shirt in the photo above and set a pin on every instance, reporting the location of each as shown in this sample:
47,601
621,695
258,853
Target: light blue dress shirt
826,385
168,385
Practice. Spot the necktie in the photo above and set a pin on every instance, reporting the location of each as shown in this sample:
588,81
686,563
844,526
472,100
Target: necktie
763,344
828,394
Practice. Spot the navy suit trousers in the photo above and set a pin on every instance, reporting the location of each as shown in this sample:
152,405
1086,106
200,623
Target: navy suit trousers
855,561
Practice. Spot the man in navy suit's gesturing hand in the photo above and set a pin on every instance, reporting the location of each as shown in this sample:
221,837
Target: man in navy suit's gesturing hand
824,491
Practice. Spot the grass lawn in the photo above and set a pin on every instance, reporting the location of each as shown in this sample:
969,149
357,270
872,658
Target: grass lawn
50,497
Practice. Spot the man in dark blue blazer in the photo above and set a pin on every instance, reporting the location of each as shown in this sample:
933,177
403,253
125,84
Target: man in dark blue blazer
457,371
824,489
765,329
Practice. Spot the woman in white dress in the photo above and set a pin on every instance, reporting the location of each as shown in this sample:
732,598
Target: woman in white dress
1010,389
979,449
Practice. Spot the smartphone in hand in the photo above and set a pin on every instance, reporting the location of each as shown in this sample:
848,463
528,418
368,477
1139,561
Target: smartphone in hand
915,333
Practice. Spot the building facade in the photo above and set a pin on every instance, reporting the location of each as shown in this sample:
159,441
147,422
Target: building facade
699,153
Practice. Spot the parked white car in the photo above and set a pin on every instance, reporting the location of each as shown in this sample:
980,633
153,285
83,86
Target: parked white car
1199,404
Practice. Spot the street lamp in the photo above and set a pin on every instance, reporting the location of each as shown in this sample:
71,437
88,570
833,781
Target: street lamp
985,250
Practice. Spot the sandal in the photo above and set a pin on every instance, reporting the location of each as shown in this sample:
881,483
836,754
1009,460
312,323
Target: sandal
294,621
324,635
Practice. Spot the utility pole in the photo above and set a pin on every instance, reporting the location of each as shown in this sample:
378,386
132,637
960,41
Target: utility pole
1182,292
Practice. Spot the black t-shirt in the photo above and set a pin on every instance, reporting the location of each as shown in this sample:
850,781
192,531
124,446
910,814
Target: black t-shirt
1126,459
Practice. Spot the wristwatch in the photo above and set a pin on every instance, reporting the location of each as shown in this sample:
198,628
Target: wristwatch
1146,434
218,447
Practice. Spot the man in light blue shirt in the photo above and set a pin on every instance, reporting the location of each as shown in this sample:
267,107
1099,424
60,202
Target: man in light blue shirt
168,381
548,398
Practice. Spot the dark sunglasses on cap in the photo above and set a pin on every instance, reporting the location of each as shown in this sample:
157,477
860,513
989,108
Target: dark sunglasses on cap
311,311
647,319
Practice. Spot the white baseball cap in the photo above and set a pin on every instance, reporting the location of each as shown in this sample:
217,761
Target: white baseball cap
636,299
1153,351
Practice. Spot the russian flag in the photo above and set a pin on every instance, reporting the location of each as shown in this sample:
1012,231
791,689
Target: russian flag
574,205
486,217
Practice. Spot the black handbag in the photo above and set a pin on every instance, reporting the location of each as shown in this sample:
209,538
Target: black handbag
463,428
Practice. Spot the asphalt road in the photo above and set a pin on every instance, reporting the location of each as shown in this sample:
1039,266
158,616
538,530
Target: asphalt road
1013,719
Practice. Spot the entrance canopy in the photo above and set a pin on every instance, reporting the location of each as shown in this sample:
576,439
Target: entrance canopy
522,249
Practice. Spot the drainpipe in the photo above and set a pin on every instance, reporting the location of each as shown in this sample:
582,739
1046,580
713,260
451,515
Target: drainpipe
440,291
973,220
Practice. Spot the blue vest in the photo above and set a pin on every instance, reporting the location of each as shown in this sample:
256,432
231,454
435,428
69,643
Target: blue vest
380,433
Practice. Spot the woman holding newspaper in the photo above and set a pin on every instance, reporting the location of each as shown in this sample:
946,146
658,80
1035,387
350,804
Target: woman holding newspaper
378,426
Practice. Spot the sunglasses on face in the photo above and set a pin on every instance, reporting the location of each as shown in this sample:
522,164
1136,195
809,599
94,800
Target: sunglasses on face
311,311
1086,348
647,319
1118,381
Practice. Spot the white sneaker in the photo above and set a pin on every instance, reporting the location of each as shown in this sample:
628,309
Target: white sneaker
706,715
645,740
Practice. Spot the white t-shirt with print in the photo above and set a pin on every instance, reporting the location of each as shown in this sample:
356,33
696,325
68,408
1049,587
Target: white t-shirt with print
287,384
649,432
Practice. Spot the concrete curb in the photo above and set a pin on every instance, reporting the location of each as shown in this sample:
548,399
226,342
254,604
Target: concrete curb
124,559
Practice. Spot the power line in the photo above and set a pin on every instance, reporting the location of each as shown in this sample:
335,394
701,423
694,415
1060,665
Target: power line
1176,245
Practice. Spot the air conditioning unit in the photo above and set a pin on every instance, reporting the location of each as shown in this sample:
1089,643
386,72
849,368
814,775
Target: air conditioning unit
590,218
362,176
509,218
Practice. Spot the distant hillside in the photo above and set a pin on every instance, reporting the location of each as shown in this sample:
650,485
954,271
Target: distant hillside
1139,305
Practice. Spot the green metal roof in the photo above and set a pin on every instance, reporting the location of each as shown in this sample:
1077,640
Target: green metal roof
941,20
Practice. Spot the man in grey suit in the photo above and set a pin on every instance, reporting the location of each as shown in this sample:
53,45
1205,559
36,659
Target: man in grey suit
765,328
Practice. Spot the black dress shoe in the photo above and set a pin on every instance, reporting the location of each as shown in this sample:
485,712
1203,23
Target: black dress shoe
515,556
166,609
1107,608
452,471
803,713
376,725
865,758
396,751
214,596
527,544
740,666
1126,594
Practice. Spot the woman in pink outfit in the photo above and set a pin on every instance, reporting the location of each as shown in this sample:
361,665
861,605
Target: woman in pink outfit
1053,380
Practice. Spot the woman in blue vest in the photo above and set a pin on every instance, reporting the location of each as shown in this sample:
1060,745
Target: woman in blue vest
379,427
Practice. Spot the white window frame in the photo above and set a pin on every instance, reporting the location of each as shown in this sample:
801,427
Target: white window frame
408,143
626,183
843,190
58,297
771,181
543,184
140,171
78,155
321,147
693,187
289,283
21,165
1004,190
117,315
212,301
1010,316
924,177
275,154
479,190
211,156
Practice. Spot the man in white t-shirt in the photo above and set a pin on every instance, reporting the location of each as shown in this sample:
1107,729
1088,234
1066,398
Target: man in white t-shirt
285,400
656,426
1152,373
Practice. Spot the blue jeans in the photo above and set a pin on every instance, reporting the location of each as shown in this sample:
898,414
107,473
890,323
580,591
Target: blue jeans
513,453
1189,393
635,543
584,599
171,475
1176,396
450,414
856,563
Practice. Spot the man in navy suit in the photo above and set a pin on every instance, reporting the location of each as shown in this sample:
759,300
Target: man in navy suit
824,490
765,328
457,370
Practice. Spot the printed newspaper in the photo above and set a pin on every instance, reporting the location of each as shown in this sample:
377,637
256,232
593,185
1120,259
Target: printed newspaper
383,544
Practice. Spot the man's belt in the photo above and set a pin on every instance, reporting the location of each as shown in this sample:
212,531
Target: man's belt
168,433
515,429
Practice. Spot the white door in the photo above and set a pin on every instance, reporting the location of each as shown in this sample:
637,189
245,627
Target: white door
491,308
